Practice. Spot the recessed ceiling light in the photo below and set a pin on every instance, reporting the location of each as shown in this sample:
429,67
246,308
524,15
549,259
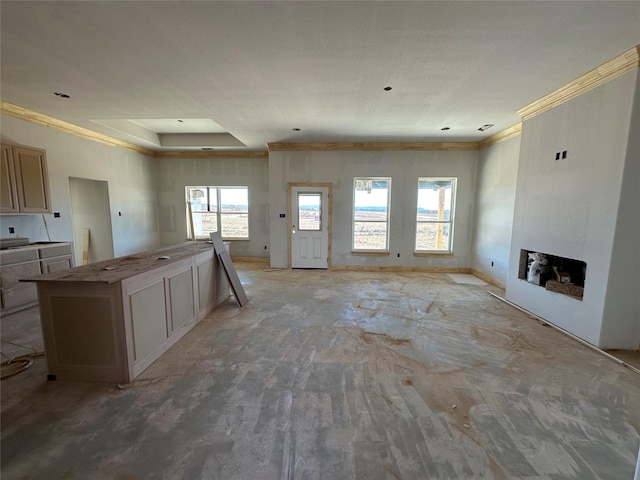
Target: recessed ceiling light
61,95
445,128
295,129
486,126
387,89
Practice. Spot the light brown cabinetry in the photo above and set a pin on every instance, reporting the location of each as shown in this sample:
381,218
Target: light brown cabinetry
25,262
25,181
108,321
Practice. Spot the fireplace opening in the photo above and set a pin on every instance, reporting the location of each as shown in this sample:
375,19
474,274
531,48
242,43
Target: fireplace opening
556,274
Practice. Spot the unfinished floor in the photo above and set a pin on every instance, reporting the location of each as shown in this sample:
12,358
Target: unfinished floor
336,375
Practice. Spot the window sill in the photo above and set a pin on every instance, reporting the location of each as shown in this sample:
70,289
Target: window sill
433,254
370,253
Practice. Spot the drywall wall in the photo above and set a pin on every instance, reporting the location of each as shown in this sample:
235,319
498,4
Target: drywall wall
174,174
340,167
621,318
132,187
495,199
569,207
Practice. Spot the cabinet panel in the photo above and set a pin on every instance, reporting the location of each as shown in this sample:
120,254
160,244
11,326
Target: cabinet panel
83,331
55,250
148,317
11,274
32,181
21,294
206,285
57,264
19,255
181,298
8,193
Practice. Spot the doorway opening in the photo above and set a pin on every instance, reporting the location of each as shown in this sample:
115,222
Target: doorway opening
90,211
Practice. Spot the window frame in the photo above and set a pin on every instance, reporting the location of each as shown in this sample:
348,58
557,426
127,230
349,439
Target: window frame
384,250
450,223
218,208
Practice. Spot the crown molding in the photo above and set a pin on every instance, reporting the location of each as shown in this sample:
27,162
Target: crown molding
501,136
47,121
623,63
211,154
374,146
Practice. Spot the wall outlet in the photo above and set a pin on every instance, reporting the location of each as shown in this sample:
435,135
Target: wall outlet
12,230
492,264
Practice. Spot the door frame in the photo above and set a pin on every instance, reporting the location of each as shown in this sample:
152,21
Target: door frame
329,186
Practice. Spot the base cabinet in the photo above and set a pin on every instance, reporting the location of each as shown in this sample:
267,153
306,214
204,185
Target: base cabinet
25,262
111,332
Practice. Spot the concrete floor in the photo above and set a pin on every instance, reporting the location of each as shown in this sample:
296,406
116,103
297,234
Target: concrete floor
336,375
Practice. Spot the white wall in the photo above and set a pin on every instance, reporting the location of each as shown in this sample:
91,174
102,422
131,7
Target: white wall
132,187
494,204
621,319
174,174
339,168
569,207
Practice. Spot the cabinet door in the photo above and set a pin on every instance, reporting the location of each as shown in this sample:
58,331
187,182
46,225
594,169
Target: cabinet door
56,264
32,181
8,193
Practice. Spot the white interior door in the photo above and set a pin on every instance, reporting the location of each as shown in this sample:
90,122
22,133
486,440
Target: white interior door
309,227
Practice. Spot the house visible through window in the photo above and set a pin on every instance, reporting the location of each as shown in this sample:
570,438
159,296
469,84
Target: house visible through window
434,216
223,209
371,213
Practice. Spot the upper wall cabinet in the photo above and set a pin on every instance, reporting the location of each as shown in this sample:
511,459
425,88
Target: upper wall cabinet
25,183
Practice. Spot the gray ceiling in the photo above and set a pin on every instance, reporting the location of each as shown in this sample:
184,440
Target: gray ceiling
256,70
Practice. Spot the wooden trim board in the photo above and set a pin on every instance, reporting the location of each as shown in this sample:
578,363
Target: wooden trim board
47,121
615,67
212,154
374,146
502,136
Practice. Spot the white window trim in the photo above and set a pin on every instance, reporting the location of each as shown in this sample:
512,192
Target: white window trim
353,217
218,212
450,222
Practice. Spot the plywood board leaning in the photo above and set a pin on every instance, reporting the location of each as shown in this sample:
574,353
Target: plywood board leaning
85,247
229,269
218,243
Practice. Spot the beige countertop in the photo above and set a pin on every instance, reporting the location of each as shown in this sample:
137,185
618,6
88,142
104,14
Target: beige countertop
117,269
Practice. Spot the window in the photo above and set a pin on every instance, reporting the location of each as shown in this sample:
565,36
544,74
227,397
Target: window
309,212
434,216
371,213
224,209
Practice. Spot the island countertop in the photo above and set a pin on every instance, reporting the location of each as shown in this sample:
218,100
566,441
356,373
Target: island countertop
118,269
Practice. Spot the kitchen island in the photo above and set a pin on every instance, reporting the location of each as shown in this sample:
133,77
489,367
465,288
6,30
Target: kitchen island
110,320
